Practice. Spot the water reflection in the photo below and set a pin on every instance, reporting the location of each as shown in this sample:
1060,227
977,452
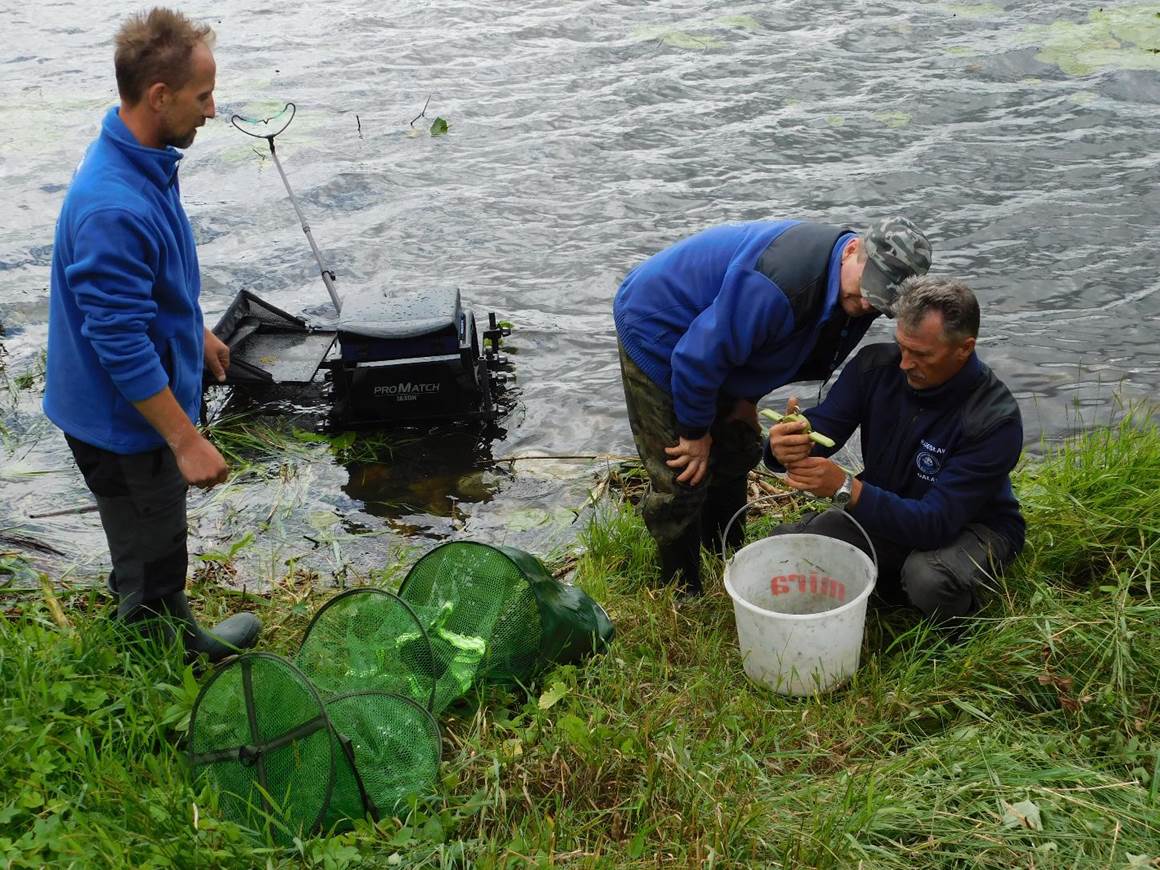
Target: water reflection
433,473
420,480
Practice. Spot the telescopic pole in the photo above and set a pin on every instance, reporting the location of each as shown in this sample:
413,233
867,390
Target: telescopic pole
327,275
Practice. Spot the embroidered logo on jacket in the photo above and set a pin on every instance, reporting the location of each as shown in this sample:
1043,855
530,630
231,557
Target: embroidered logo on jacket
929,460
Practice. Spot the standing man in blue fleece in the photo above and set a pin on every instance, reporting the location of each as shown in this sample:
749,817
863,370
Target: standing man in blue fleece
709,326
940,436
126,339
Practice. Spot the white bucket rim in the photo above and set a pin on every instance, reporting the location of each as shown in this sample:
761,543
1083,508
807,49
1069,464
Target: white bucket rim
802,617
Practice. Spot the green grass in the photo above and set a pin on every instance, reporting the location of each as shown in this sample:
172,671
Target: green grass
1031,740
251,440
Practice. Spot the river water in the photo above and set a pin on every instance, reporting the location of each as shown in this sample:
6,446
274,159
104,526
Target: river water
584,136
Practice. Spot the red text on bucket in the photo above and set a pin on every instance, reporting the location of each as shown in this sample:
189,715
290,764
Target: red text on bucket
812,583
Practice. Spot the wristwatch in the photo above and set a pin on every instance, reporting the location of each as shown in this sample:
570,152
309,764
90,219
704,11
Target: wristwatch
841,498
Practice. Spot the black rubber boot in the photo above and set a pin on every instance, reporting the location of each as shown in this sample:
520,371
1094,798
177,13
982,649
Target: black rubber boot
233,635
722,503
681,563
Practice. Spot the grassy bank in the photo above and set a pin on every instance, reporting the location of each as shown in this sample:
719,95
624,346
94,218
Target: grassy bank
1033,740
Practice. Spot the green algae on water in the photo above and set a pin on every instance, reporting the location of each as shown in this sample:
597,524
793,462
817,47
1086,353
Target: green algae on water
1123,37
739,22
893,119
677,38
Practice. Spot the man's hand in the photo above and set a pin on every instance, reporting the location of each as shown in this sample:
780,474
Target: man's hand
789,442
200,462
815,475
693,457
217,357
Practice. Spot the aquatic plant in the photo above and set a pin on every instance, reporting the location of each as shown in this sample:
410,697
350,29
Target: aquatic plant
1113,37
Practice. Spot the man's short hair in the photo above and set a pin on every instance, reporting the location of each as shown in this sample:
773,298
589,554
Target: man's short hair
155,46
953,299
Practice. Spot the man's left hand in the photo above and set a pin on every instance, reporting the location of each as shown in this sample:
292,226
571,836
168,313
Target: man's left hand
691,455
816,475
217,356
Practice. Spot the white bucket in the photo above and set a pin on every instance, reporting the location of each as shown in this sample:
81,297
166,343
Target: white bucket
800,605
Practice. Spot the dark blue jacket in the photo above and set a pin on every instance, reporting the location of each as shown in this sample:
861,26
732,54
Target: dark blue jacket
124,321
737,310
935,460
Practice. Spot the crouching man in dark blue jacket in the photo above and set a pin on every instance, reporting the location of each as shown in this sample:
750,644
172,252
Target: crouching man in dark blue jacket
940,436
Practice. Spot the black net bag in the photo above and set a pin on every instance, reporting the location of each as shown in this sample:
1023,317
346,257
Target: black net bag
368,640
260,733
496,614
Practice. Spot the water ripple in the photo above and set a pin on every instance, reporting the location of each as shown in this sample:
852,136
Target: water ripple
586,135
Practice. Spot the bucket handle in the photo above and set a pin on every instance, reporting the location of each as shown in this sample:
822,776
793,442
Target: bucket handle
772,497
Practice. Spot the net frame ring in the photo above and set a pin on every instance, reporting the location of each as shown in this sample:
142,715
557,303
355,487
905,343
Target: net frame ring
316,633
375,805
522,570
253,757
237,121
525,572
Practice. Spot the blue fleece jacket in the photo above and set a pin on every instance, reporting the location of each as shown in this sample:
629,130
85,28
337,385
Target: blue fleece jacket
935,460
124,320
734,310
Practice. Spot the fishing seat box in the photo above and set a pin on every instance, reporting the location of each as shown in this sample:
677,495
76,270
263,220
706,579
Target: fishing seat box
403,357
408,356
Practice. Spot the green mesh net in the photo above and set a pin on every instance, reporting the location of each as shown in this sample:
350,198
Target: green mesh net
368,640
346,730
260,733
392,743
496,614
288,763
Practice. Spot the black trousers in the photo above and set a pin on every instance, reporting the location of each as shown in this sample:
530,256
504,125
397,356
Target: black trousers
941,583
141,499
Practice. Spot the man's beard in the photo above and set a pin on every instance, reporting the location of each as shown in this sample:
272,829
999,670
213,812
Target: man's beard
182,141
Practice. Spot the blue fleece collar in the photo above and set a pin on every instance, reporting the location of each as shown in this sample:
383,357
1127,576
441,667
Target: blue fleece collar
159,165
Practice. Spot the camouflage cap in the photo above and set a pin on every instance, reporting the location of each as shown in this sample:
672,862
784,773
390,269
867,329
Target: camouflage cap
895,250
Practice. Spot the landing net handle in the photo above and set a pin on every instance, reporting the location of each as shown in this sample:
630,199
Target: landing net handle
238,121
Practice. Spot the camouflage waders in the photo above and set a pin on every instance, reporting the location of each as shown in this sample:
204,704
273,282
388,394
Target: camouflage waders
678,516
